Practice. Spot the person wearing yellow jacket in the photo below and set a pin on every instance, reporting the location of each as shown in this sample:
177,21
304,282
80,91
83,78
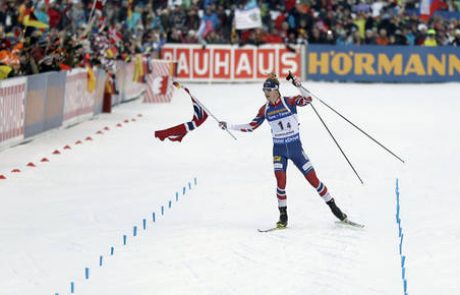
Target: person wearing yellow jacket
430,39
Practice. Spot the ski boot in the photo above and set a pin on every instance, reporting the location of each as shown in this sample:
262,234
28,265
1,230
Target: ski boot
283,221
336,210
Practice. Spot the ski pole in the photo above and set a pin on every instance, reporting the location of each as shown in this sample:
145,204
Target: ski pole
338,145
290,76
178,85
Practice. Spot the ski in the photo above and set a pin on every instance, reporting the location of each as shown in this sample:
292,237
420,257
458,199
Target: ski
270,229
351,223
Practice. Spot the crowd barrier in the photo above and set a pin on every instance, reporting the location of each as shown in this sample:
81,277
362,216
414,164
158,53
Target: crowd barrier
365,63
12,109
35,104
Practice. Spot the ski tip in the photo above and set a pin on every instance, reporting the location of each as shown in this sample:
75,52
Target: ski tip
270,229
350,223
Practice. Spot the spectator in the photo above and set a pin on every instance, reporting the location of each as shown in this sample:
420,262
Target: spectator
420,34
118,29
430,40
399,38
382,38
456,39
370,37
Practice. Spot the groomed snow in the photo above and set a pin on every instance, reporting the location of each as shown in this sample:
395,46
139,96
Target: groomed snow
58,218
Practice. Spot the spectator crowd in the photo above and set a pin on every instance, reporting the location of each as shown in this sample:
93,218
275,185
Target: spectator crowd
51,35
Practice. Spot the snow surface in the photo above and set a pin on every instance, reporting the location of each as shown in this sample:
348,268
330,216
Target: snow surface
58,218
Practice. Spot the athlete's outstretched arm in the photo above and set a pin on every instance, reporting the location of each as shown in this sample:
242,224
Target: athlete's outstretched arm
251,126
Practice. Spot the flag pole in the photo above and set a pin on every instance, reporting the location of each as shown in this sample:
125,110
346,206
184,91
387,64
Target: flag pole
178,85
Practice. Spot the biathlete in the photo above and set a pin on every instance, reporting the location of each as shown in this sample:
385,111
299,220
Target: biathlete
281,114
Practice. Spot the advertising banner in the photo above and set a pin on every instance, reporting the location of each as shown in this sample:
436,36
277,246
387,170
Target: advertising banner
383,63
35,105
159,81
227,63
79,103
54,112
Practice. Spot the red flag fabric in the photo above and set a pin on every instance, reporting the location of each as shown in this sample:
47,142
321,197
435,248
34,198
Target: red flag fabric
178,132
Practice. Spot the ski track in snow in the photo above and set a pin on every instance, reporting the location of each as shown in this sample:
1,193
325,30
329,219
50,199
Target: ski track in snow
58,218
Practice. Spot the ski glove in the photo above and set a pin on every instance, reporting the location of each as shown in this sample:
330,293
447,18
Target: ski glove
296,82
223,125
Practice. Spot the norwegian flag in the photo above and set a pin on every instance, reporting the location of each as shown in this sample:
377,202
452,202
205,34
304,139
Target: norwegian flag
100,4
429,7
178,132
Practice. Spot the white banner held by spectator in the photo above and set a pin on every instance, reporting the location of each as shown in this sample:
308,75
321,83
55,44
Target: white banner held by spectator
248,19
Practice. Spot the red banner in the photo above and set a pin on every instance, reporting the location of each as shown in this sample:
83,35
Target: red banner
231,63
159,82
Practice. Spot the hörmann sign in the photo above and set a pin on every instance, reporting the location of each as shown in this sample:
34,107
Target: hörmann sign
383,63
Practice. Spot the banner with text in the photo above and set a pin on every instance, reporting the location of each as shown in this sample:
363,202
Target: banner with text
227,63
382,63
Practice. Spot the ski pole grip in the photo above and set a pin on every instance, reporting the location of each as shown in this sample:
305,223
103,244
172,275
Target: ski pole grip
290,76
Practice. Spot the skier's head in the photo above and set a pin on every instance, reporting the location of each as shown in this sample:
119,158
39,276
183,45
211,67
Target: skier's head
271,87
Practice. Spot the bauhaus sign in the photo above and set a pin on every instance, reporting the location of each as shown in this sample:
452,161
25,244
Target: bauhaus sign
232,63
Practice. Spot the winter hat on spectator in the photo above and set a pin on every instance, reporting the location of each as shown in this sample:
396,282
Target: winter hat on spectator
422,27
